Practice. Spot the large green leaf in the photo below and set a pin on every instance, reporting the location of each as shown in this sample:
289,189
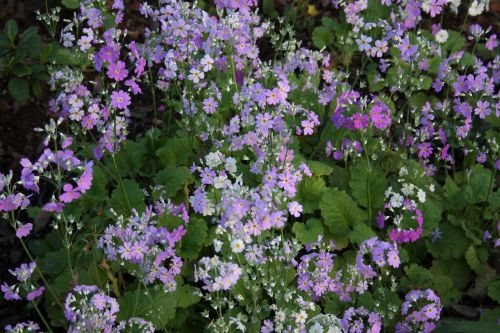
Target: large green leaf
339,212
173,179
452,244
194,239
127,196
155,306
368,185
308,232
309,192
361,233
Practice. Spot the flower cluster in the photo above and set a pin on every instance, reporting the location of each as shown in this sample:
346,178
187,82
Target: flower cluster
149,247
24,285
357,320
421,310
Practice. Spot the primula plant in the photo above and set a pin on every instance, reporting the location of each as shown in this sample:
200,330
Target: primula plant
209,173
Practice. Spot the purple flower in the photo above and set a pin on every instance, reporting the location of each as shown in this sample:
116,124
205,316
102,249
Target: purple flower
120,99
8,293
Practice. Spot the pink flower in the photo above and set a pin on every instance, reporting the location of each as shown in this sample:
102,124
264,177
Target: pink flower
69,194
117,71
85,181
24,230
35,293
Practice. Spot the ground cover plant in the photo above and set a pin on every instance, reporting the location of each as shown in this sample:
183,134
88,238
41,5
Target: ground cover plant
212,174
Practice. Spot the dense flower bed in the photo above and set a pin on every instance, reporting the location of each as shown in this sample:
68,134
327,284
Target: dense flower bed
351,188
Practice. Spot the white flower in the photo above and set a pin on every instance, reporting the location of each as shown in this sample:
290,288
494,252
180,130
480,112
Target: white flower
217,245
316,328
454,5
301,317
476,8
196,75
214,159
408,189
237,246
220,181
230,165
207,63
441,36
403,172
421,196
280,316
396,200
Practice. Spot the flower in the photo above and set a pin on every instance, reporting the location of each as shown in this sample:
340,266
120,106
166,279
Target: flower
24,230
295,208
120,99
117,71
237,246
441,36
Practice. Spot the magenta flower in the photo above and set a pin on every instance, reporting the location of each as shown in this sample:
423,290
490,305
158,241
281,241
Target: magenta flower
24,230
35,293
120,99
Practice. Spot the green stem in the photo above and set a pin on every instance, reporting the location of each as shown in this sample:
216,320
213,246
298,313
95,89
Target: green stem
42,317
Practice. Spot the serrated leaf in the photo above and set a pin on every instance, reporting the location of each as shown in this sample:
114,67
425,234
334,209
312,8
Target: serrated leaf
308,232
309,192
186,295
322,36
479,184
155,306
194,239
339,212
452,244
361,233
173,179
319,168
128,197
368,185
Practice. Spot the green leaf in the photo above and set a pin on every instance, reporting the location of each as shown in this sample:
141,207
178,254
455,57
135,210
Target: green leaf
131,196
339,211
461,326
176,152
494,291
417,277
173,178
452,244
361,233
455,41
456,269
319,168
309,193
322,36
308,232
10,30
479,184
368,185
155,306
19,89
194,239
71,4
186,295
21,70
